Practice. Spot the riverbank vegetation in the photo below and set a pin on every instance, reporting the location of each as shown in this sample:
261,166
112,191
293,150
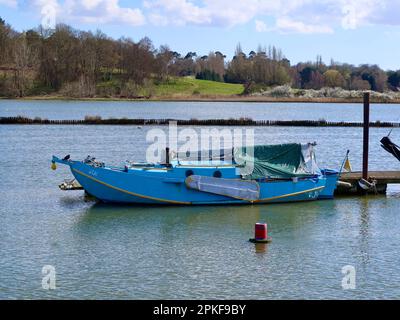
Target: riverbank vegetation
70,63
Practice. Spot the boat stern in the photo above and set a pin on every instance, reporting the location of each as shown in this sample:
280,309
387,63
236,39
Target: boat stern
332,177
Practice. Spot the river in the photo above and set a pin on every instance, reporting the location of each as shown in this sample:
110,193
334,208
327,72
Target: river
131,252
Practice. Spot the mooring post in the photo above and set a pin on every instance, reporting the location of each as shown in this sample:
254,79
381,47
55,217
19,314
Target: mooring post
167,156
366,136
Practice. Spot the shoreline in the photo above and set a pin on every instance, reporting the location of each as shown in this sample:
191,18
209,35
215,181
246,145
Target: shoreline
207,98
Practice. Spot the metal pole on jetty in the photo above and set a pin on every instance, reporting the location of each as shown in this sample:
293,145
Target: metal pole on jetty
365,136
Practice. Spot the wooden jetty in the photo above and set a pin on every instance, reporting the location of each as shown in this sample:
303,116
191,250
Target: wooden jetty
366,181
348,184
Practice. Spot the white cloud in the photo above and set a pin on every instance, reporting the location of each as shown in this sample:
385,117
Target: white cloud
158,20
9,3
231,13
177,12
301,16
358,12
91,4
223,13
103,11
286,25
219,13
294,16
48,10
92,11
261,26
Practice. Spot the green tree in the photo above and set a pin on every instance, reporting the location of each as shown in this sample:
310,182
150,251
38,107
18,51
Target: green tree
333,78
394,80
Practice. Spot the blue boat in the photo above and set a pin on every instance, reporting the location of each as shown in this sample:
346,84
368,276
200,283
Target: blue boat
331,177
279,173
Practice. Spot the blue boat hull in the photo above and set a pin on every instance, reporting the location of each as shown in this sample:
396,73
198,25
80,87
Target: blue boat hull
167,186
332,177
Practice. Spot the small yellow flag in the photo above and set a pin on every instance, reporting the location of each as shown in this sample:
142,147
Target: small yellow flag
347,165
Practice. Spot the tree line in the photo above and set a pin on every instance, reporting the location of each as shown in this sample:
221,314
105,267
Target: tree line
85,64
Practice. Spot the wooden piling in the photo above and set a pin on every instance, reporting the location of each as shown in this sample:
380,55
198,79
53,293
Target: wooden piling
365,136
198,122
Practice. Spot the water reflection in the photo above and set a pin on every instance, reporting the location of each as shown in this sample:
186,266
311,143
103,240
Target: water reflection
364,230
261,248
171,215
72,200
165,223
241,215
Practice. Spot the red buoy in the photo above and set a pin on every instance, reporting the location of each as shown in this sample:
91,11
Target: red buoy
261,233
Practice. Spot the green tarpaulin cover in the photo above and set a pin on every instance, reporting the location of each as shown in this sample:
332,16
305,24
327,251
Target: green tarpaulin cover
280,161
275,161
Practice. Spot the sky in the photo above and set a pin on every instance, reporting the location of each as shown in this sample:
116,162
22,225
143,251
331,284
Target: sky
352,31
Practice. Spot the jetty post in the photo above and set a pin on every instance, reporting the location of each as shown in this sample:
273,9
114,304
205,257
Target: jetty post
365,136
167,162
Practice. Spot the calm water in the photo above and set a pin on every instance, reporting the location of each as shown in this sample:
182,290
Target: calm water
102,251
198,110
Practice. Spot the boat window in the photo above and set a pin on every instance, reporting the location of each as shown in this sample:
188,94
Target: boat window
189,173
217,174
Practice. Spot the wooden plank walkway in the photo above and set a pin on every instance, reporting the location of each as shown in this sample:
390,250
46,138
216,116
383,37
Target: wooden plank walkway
348,184
382,177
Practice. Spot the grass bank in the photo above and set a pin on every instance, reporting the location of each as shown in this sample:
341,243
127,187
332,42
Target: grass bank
191,89
188,86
